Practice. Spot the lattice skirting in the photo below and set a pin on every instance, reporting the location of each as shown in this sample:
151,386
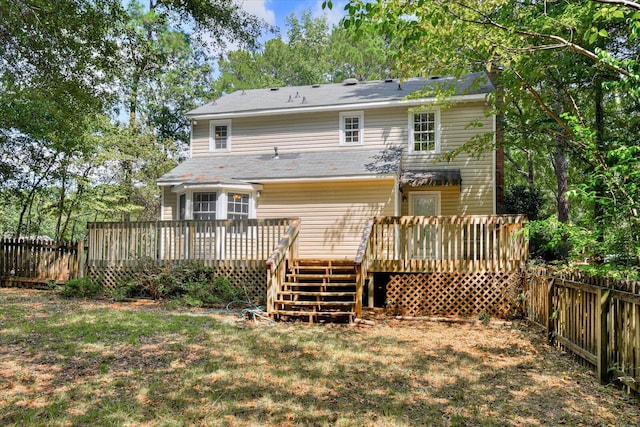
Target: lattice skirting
252,281
456,294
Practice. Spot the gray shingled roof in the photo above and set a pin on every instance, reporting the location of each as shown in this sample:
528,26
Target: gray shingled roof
257,168
300,97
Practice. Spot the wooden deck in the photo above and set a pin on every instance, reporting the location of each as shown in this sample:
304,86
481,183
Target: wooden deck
470,254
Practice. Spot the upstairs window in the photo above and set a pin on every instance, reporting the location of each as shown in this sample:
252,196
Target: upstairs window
220,136
423,132
352,128
204,205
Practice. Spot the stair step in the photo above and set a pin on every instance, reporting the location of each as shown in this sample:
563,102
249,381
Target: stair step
323,262
317,293
314,313
317,285
323,276
318,303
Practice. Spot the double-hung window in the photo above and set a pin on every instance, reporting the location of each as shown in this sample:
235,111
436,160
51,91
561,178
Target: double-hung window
204,205
352,128
220,135
237,206
423,132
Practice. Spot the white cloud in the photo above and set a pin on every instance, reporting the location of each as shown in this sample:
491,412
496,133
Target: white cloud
334,15
259,8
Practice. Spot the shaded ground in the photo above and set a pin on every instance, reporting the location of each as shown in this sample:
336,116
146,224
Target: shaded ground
78,362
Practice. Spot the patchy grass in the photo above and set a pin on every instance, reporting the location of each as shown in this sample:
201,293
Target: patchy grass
80,362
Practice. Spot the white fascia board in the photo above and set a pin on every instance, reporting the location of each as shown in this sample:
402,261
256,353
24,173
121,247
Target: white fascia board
179,187
339,107
328,179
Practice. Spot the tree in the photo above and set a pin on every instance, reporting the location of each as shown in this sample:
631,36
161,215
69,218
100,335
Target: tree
548,56
66,65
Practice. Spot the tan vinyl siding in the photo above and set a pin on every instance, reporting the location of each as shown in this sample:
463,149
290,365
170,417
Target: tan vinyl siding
449,198
169,204
383,127
477,189
333,213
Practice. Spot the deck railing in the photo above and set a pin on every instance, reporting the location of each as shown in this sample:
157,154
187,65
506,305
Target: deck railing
361,262
448,243
215,242
287,250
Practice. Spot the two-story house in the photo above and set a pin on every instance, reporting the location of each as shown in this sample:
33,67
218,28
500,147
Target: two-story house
335,155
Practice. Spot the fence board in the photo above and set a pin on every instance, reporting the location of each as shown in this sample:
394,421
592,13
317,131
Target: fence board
596,319
37,262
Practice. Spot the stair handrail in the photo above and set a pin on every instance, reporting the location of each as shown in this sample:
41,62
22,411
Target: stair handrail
287,249
361,262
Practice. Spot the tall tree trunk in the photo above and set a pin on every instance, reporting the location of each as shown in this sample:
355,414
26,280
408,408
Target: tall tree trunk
560,163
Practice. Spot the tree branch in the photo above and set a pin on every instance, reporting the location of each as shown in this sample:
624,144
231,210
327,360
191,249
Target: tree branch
628,3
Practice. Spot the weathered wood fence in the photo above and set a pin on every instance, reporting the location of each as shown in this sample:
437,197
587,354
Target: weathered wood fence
596,319
38,262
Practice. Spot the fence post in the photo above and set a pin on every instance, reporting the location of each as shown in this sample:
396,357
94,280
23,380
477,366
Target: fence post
602,334
80,260
549,323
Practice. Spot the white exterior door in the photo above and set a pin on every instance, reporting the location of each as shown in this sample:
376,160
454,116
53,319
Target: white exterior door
423,239
424,203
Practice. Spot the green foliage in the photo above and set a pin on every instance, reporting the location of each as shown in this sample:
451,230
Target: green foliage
192,284
82,287
524,199
553,241
313,53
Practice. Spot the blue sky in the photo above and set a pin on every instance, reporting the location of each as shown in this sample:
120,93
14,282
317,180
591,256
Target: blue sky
275,11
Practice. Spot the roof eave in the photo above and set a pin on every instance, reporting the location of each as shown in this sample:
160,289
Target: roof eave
335,107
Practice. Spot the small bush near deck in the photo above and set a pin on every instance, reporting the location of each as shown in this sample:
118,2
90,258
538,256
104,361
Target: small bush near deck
191,284
82,287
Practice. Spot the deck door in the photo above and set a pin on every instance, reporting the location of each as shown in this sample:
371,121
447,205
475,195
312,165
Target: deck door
423,241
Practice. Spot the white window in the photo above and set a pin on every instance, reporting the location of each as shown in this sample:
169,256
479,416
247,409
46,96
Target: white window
204,205
237,206
352,128
223,203
220,135
424,132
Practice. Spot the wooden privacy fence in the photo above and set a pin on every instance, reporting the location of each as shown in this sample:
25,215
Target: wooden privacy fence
38,262
237,249
448,243
596,319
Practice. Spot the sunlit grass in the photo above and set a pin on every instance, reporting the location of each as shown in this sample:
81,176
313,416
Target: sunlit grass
70,362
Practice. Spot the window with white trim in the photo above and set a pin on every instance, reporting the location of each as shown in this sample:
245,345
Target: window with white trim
352,128
237,206
204,205
221,203
424,132
220,135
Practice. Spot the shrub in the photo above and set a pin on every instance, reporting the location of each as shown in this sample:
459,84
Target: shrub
82,287
192,284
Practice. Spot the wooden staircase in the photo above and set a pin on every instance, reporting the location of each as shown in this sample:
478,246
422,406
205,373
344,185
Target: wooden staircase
318,290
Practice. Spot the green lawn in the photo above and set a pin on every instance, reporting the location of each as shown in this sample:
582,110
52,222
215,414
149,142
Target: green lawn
81,362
